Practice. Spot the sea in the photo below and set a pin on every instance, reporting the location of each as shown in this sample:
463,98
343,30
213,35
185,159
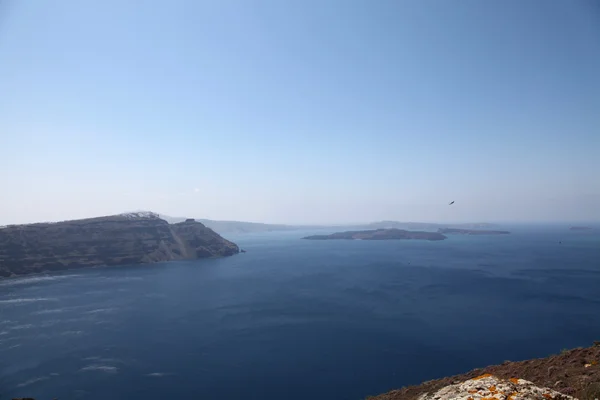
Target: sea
300,319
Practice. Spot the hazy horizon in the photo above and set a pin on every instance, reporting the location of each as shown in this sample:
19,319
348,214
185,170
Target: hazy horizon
329,224
301,112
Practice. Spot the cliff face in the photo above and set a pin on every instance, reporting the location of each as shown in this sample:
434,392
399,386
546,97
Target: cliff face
113,240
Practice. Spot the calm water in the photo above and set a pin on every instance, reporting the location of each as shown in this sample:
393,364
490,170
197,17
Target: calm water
295,319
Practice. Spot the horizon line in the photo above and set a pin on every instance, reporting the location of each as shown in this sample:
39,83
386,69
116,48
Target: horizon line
324,224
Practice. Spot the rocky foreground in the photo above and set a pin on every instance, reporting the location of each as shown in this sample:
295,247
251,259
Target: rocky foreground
493,388
572,374
136,238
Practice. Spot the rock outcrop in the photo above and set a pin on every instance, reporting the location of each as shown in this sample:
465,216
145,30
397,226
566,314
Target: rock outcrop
572,373
135,238
490,387
380,234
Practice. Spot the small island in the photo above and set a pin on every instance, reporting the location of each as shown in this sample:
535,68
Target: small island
379,234
581,228
453,231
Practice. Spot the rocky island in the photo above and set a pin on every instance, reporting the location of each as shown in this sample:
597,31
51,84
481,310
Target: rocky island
380,234
454,231
135,238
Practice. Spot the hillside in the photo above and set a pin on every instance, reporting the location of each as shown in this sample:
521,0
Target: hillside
135,238
573,372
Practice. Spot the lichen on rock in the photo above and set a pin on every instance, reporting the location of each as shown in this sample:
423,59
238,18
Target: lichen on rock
489,387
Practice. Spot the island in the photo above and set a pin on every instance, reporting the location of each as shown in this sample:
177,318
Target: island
124,239
580,228
380,234
454,231
427,226
240,227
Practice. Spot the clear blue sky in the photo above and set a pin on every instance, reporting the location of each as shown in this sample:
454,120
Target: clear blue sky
309,111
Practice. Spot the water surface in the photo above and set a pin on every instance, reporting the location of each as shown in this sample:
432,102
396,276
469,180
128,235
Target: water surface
299,319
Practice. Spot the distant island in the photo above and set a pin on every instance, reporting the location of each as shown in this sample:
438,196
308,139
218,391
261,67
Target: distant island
580,228
134,238
454,231
237,227
241,227
379,234
428,226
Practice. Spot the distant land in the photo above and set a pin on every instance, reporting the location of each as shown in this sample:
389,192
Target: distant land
224,227
581,228
426,225
380,234
134,238
454,231
236,227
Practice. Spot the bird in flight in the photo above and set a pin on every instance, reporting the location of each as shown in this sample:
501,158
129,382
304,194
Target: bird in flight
452,202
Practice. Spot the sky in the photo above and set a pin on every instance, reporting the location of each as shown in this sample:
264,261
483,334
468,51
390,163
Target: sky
301,111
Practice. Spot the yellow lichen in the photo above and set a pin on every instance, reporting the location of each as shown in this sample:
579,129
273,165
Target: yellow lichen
472,391
514,380
546,395
482,376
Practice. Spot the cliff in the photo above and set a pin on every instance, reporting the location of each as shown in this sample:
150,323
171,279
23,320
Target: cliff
379,234
572,373
136,238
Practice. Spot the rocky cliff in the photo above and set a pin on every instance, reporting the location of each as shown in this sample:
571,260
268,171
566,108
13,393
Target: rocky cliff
113,240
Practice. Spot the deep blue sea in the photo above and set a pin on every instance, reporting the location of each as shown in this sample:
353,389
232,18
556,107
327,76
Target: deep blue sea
297,319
